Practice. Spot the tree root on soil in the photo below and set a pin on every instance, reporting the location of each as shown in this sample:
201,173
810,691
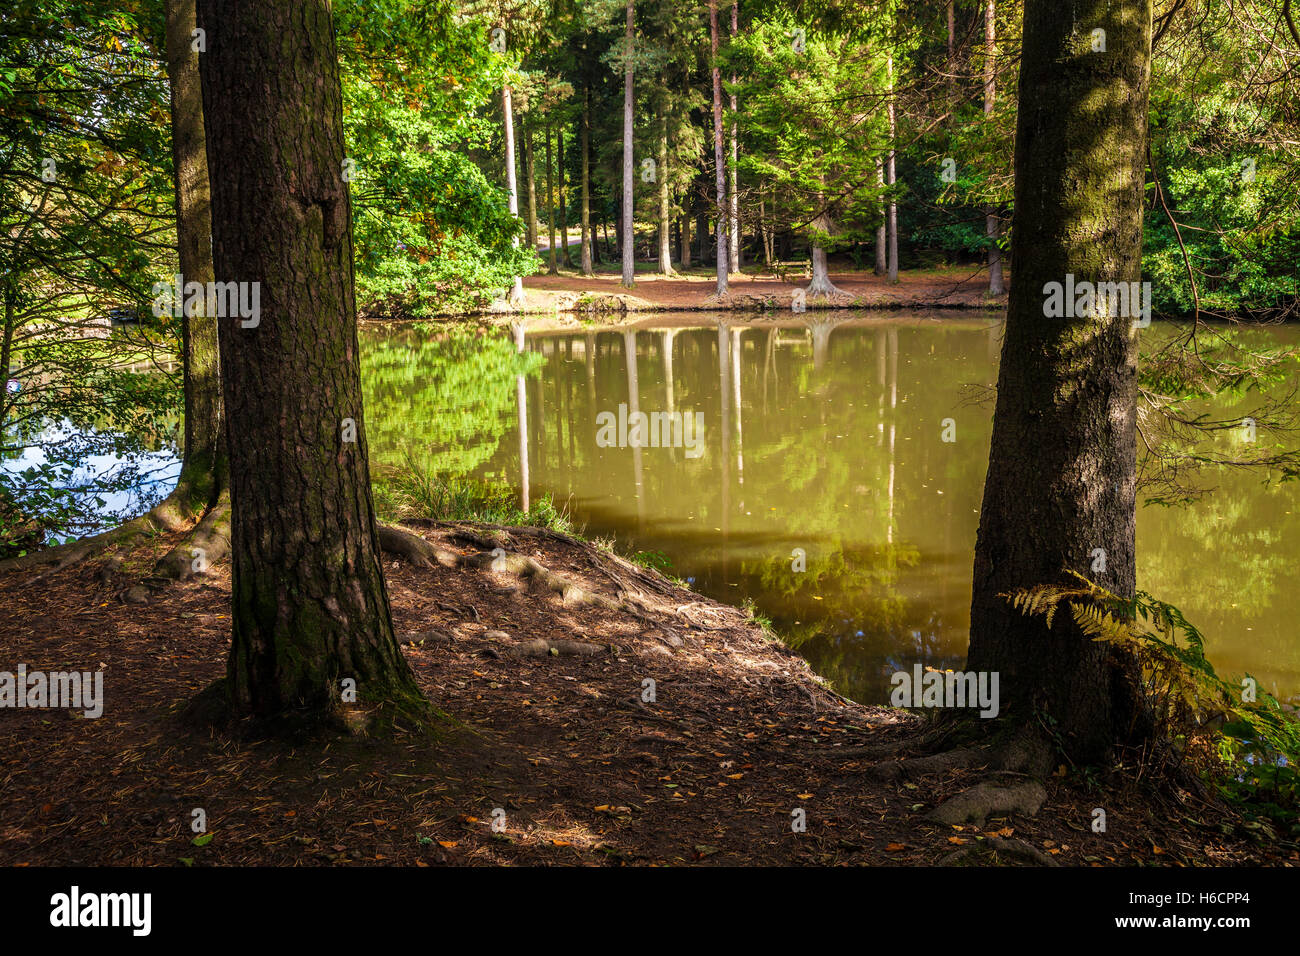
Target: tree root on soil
207,542
1010,773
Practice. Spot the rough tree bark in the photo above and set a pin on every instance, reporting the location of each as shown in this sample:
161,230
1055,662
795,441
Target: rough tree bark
627,237
1061,479
309,608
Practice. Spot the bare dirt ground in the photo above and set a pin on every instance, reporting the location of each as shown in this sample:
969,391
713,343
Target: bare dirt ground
570,291
558,746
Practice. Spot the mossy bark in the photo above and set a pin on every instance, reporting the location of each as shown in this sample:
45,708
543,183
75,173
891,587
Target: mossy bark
203,468
310,608
1061,480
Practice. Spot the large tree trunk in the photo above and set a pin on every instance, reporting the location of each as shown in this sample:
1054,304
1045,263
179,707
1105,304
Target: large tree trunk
309,609
733,199
585,145
203,467
992,227
512,187
823,225
1061,478
627,237
719,163
665,220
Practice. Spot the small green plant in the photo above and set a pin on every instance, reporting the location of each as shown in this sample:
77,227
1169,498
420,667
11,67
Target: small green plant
409,493
655,560
757,617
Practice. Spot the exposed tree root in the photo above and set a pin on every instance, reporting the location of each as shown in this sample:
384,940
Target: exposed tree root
161,519
172,514
985,799
824,287
912,768
541,647
206,544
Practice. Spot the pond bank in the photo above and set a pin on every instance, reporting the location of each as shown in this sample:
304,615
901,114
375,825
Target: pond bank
563,738
572,293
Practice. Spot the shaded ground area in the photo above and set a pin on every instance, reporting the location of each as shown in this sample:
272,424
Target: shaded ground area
558,744
960,287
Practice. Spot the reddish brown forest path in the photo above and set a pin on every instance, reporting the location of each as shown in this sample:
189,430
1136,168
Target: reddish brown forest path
964,287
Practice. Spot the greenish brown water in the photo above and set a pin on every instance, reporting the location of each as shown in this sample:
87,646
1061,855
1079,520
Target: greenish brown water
825,438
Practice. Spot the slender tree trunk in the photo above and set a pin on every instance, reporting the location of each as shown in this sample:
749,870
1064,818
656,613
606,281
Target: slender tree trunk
952,58
882,241
665,219
684,240
564,198
554,268
719,163
628,238
530,170
891,173
585,145
512,186
1062,465
203,468
992,227
310,615
733,198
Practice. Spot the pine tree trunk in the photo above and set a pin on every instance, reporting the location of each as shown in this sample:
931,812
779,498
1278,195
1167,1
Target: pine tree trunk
512,186
553,268
882,241
628,238
530,171
992,227
309,608
586,181
665,220
719,164
203,467
891,174
564,199
733,199
1062,465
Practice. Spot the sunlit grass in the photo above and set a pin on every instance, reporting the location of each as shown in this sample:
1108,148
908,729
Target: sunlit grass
405,493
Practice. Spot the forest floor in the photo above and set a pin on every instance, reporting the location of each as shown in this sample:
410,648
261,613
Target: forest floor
957,287
561,748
